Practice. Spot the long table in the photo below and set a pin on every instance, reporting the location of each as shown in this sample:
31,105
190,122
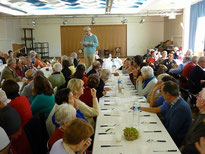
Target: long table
116,114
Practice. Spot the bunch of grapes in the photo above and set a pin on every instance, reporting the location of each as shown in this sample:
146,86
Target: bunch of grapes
131,133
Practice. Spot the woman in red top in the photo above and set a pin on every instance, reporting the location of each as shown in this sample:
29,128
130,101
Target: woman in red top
19,103
93,82
80,73
151,60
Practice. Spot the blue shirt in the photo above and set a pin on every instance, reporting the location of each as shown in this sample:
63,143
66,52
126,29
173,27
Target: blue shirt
90,49
164,105
179,69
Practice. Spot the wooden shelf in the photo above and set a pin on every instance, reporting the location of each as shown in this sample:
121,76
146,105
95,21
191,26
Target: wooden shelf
28,38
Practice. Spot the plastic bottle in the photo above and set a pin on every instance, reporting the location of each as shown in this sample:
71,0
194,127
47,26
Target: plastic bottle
38,67
54,59
1,63
110,56
120,85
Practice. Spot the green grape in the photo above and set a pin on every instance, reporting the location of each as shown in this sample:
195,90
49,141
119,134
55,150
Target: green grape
131,133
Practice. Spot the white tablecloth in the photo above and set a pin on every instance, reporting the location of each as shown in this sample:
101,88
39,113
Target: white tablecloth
119,108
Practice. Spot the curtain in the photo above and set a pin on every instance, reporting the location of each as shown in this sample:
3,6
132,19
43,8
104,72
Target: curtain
197,10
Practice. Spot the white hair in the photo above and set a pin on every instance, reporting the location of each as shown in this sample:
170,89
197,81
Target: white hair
70,60
3,97
57,67
74,54
194,59
33,53
64,57
87,28
64,113
105,74
147,71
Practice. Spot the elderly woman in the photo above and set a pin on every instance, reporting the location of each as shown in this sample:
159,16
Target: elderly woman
76,86
70,65
104,76
38,62
146,82
80,73
66,96
44,99
63,115
56,79
76,138
19,103
93,82
66,71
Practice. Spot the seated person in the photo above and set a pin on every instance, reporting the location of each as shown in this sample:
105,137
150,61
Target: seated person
56,79
4,142
76,86
66,96
63,115
11,121
91,66
10,54
125,66
9,71
75,58
76,135
93,82
104,76
38,62
66,71
180,68
2,57
152,58
196,75
44,100
170,62
164,56
19,69
96,68
80,73
146,82
196,130
159,105
179,117
70,64
19,103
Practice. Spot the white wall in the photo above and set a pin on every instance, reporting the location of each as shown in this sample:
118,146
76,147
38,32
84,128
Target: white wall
139,36
9,33
173,30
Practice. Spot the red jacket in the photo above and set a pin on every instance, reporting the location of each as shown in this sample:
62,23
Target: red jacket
87,97
22,106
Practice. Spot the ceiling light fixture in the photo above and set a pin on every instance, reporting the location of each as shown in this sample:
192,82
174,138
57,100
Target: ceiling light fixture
33,23
65,22
124,20
11,10
93,21
142,20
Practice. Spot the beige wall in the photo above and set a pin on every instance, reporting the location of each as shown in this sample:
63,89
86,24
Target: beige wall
139,36
173,30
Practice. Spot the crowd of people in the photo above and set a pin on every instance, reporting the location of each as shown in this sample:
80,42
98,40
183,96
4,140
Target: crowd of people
58,114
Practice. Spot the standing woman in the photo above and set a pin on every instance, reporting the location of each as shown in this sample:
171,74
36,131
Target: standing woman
44,99
80,73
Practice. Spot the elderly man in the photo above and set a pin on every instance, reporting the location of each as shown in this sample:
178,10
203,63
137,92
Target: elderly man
26,89
9,71
2,57
96,68
180,68
196,75
56,79
170,62
90,42
179,116
197,128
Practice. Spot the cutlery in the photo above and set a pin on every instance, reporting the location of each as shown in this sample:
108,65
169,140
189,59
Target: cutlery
111,115
165,151
105,146
151,140
146,115
106,133
149,122
106,100
156,131
108,125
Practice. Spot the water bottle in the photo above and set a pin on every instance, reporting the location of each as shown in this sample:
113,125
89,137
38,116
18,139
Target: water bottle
1,63
136,114
54,59
110,56
38,67
120,85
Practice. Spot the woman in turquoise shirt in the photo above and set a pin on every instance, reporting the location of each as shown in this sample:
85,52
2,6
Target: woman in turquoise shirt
44,99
